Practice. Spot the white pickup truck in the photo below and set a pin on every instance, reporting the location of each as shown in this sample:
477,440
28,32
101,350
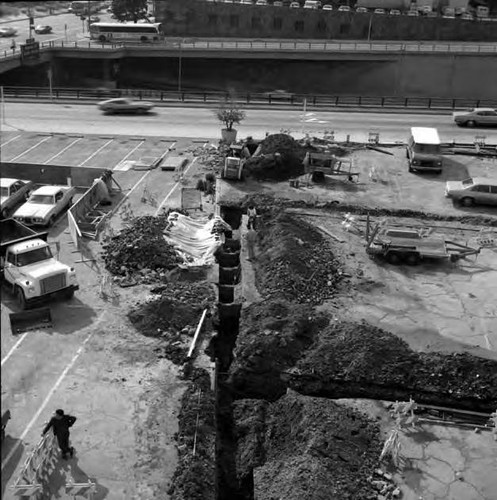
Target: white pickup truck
28,267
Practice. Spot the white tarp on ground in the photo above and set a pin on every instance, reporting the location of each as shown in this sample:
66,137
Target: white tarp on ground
195,240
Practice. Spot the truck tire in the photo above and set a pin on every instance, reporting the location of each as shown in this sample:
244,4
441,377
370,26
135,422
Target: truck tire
69,294
21,298
412,259
394,258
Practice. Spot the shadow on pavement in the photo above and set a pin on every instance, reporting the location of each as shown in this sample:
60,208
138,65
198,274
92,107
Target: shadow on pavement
8,444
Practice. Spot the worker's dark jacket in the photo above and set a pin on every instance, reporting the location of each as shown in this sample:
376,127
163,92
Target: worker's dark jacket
60,426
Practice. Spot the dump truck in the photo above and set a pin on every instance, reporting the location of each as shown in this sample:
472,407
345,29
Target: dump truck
411,246
28,267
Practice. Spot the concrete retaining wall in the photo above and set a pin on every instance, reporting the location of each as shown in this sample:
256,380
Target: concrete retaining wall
52,174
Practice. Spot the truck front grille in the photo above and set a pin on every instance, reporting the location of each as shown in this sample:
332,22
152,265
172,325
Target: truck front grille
53,283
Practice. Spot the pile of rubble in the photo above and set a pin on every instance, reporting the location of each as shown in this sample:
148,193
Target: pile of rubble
280,159
295,262
140,248
273,336
194,478
172,314
307,448
361,360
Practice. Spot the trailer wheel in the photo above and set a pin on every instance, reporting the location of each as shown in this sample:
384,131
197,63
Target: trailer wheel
454,257
394,258
21,298
412,259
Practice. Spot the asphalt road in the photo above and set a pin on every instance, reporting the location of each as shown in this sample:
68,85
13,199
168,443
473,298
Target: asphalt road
200,122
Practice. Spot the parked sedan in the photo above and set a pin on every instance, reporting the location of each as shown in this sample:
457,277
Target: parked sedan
294,5
379,11
473,191
344,8
13,192
361,10
327,7
44,205
395,12
43,30
478,117
123,105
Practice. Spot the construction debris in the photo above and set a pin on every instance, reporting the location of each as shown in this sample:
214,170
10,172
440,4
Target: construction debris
295,262
140,252
360,360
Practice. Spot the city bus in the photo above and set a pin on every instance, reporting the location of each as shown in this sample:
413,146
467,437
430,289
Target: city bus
81,8
141,32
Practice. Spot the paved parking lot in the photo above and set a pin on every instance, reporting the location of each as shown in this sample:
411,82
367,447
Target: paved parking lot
98,151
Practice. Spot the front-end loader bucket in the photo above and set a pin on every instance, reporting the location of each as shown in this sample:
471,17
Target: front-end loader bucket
32,319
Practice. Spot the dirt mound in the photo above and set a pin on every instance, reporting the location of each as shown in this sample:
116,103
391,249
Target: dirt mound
272,337
194,478
306,448
281,158
295,262
140,247
360,360
173,315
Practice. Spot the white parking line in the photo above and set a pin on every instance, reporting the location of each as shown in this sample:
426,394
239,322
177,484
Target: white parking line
127,156
10,140
46,400
31,148
146,174
173,188
16,345
97,151
60,152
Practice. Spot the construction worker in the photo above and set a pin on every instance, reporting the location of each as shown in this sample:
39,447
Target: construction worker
60,423
252,217
251,238
13,45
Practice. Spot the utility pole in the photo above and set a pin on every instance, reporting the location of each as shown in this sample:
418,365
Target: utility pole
31,22
370,26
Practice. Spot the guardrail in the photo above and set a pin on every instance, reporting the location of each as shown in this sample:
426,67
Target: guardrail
264,45
209,97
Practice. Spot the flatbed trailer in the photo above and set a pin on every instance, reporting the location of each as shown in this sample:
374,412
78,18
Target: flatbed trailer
411,246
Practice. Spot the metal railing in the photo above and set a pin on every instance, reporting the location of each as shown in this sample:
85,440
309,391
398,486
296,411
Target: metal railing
212,97
265,45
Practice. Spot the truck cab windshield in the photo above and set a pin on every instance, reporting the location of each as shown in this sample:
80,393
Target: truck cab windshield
34,256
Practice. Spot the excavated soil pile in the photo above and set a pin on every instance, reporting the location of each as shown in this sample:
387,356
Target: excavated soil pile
304,448
140,247
281,158
272,338
360,360
294,262
173,315
194,478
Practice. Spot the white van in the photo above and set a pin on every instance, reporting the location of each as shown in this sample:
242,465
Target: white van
424,150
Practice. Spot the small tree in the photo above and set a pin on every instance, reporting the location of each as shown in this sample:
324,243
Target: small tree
129,10
229,113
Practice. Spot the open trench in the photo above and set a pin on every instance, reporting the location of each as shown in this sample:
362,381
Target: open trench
228,259
257,384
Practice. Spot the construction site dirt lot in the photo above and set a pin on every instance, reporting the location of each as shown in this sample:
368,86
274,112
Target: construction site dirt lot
384,182
122,376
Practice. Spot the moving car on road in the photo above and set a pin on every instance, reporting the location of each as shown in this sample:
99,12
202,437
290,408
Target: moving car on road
13,192
43,30
475,190
8,31
278,94
124,105
478,117
44,205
